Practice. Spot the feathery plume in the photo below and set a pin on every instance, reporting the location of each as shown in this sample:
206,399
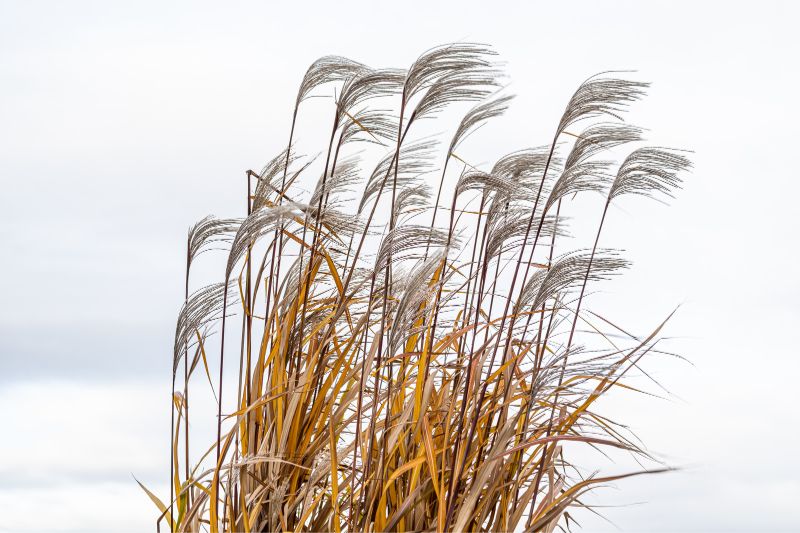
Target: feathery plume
208,231
600,96
650,171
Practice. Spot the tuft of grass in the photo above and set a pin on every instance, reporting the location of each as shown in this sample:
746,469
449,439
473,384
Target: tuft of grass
407,355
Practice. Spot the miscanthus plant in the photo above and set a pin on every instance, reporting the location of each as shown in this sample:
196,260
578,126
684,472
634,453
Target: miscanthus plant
399,340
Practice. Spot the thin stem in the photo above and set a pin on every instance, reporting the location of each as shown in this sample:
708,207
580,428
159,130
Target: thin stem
569,345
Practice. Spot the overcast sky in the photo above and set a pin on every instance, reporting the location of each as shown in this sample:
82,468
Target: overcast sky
123,123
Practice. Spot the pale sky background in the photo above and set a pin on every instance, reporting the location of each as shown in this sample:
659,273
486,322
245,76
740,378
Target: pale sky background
123,123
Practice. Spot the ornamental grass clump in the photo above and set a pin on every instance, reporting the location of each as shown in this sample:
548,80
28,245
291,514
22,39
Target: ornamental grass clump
395,341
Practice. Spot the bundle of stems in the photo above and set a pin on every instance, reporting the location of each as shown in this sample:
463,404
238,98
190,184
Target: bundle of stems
412,351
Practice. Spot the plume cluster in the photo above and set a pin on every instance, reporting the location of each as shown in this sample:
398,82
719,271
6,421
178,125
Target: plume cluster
391,371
